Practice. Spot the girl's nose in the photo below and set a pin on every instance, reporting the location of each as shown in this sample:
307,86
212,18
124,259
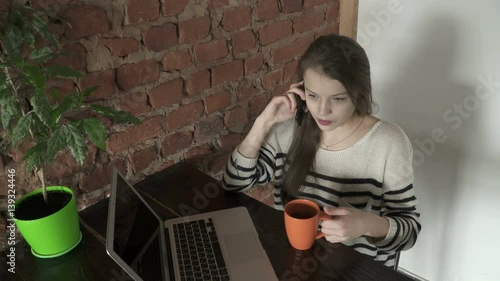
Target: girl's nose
324,108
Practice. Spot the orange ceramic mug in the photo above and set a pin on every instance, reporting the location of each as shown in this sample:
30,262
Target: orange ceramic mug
302,218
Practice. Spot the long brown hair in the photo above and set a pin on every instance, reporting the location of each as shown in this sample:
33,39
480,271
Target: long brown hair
339,58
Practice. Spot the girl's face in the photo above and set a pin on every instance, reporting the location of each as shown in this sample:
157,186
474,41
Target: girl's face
327,100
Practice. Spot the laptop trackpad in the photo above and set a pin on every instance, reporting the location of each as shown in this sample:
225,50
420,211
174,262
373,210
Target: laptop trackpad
242,247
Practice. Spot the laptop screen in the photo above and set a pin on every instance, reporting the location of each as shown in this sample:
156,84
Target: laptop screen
135,235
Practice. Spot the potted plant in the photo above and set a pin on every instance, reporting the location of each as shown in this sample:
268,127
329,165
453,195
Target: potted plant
42,124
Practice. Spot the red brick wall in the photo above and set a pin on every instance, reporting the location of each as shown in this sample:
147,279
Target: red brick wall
196,73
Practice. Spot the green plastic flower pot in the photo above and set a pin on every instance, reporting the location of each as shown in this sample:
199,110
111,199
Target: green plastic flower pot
55,234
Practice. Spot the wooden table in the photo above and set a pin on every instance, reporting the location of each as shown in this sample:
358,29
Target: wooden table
181,189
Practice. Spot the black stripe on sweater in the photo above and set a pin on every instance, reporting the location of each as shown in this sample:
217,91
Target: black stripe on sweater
401,191
347,180
233,163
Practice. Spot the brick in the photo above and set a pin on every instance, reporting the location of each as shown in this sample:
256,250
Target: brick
236,119
281,89
49,4
194,29
308,22
100,177
290,70
177,59
166,165
212,4
211,51
246,90
229,141
218,163
4,6
257,105
208,127
271,79
104,80
167,93
129,76
142,10
237,18
135,103
289,52
332,14
217,101
85,21
243,41
275,31
266,10
290,6
74,57
198,153
146,130
159,38
120,47
261,192
329,29
184,115
65,164
312,3
63,87
227,72
173,7
142,159
254,63
176,142
198,82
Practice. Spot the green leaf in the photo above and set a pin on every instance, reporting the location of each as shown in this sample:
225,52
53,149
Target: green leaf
34,157
62,71
54,94
56,142
42,108
14,38
76,143
96,132
8,106
41,55
34,76
118,116
85,93
22,129
68,102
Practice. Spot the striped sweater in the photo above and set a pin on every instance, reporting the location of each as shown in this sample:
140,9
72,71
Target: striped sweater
374,175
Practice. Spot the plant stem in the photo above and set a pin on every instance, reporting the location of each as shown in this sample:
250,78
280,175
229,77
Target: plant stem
41,176
9,81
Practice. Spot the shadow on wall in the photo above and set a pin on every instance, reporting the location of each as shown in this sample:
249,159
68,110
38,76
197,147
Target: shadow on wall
434,109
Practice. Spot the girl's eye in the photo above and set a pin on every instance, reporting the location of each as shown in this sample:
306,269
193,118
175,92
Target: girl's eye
311,96
339,99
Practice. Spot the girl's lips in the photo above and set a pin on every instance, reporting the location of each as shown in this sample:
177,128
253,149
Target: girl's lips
324,122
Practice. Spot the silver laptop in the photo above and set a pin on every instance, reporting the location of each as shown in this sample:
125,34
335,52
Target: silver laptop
221,245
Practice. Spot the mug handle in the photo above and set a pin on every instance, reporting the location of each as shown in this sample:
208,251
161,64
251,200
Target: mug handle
322,216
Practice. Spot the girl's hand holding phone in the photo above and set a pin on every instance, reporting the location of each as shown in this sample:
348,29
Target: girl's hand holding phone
282,108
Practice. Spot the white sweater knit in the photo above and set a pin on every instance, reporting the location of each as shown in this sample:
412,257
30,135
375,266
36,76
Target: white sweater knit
374,175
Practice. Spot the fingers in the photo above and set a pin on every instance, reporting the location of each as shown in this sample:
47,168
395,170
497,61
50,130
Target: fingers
335,238
289,102
295,88
296,85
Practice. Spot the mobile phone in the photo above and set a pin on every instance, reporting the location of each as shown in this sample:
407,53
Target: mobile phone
299,115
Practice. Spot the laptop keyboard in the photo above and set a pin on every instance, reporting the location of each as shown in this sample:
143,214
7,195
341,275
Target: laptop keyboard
199,252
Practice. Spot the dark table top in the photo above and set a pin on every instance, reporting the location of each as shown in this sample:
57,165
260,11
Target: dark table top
183,190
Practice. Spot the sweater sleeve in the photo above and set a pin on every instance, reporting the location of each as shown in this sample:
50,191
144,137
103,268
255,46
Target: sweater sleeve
242,173
399,204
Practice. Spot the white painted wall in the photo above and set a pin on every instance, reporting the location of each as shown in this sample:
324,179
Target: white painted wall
431,61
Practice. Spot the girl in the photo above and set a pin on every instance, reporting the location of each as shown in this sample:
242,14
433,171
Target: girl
354,165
